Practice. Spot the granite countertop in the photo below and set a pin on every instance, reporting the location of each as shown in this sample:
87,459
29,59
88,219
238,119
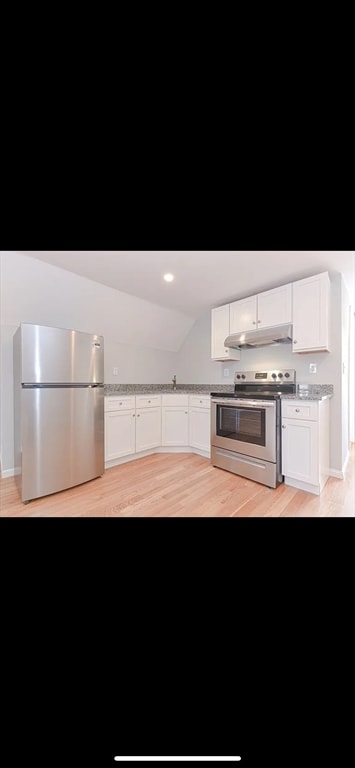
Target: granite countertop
311,392
160,392
306,397
150,392
303,391
116,390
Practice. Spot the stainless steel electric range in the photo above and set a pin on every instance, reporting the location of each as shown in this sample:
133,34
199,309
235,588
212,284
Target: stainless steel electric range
246,425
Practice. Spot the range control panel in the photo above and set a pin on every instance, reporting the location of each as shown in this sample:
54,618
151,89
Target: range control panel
263,377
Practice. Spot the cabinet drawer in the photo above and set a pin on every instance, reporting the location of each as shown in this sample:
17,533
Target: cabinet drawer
200,401
182,400
119,403
296,410
148,401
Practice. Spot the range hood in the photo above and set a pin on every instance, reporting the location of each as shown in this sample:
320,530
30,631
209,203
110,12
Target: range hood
278,334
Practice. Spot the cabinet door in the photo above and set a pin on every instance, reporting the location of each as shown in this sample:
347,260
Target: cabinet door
275,307
200,428
311,314
175,425
148,428
219,332
243,315
119,434
300,450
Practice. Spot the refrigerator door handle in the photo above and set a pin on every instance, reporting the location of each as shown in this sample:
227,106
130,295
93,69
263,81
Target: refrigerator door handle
61,386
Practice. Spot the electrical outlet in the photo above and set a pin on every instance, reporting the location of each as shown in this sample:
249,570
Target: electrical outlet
115,371
312,368
226,372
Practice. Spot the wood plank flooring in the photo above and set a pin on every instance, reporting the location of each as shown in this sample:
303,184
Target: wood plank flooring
182,485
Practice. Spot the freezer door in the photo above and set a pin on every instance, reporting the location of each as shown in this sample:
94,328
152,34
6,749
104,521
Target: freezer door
62,438
59,356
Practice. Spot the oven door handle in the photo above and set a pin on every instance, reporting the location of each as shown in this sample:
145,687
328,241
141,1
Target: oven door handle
246,403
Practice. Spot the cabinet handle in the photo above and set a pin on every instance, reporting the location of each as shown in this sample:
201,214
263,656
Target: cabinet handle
121,403
294,341
254,323
133,415
284,426
186,413
138,415
258,321
149,401
297,410
200,401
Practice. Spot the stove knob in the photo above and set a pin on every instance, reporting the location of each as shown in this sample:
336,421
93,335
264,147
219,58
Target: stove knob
243,376
273,375
287,375
280,375
238,375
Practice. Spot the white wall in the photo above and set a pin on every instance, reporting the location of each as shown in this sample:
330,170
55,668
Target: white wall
195,366
352,373
141,338
345,304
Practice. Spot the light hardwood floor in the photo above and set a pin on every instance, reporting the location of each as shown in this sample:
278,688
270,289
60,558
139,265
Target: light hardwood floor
182,485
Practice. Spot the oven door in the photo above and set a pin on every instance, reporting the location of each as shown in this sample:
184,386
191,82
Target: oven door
245,426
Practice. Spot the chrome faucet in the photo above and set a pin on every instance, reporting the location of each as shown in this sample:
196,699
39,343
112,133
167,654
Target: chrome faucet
174,381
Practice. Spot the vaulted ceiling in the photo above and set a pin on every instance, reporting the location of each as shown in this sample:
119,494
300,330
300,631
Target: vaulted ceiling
203,279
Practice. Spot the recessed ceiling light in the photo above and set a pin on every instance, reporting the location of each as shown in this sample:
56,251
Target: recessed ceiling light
168,277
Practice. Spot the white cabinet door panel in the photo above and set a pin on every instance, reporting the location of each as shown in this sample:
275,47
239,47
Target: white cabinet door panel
243,315
200,428
219,332
311,314
148,428
119,434
175,426
300,453
275,307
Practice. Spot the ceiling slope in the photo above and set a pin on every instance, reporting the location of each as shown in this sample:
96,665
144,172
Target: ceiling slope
203,279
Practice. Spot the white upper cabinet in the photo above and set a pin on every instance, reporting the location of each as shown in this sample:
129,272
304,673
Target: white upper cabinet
304,304
311,314
268,308
243,315
275,307
219,332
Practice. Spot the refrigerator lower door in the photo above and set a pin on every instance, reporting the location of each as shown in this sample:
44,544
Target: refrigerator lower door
62,438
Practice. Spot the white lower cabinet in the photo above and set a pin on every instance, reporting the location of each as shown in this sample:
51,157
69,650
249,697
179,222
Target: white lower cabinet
175,420
142,423
148,428
200,423
175,425
132,424
305,444
119,433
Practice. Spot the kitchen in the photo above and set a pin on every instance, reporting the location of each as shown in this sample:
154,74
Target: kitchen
147,343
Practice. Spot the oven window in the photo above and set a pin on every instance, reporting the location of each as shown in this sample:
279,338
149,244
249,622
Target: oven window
244,424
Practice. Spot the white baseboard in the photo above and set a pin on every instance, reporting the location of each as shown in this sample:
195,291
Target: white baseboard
336,473
10,472
302,486
160,449
340,473
346,462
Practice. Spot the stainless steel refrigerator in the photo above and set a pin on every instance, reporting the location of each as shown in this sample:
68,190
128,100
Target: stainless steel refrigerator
58,409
